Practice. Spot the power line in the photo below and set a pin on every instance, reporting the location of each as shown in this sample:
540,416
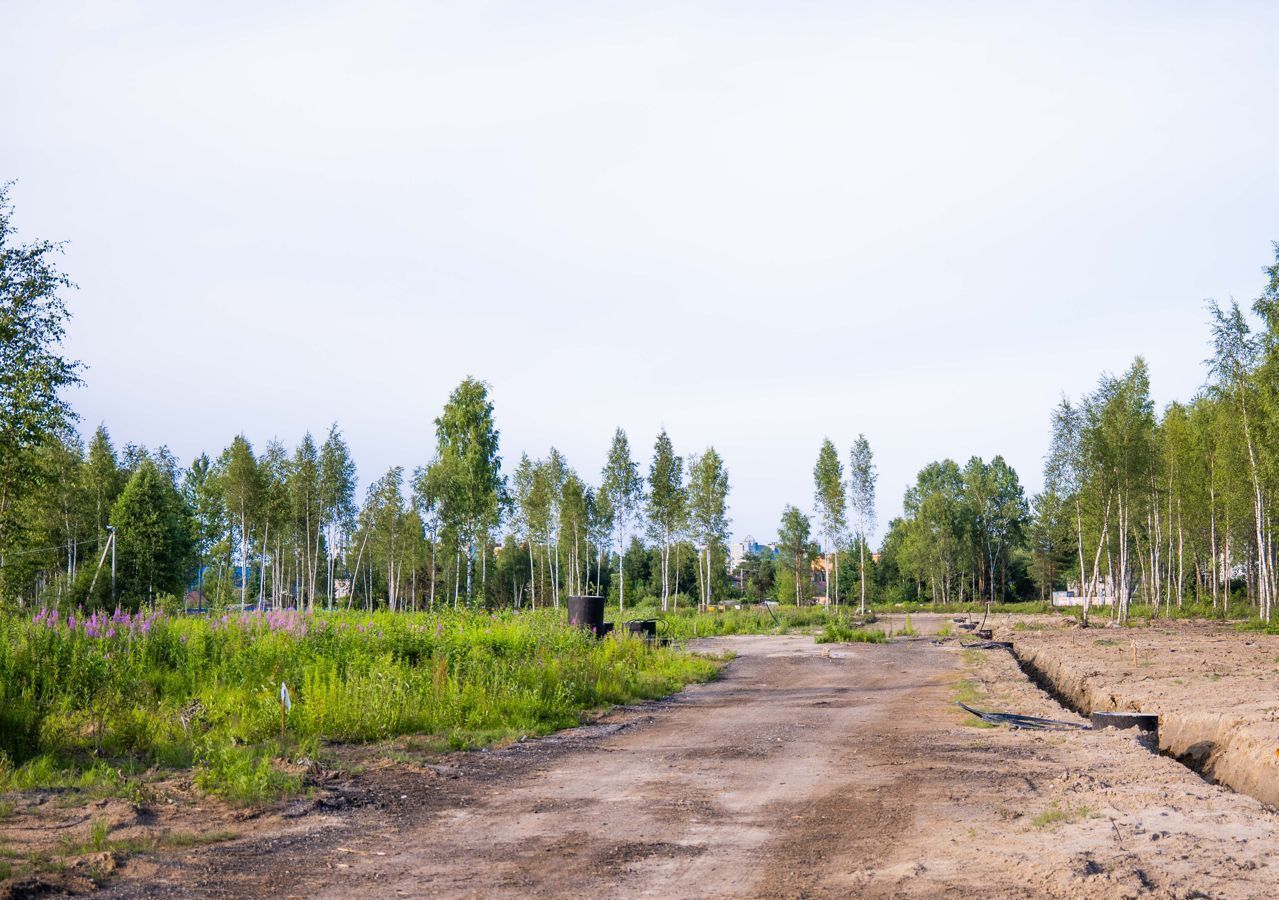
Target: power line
88,542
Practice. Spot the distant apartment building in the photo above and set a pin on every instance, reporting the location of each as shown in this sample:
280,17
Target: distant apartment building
748,547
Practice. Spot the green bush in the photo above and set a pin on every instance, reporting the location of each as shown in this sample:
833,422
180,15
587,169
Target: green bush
843,633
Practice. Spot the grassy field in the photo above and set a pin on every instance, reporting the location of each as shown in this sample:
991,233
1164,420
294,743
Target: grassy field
89,701
686,623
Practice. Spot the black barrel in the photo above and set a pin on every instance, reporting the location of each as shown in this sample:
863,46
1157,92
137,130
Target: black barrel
645,628
587,612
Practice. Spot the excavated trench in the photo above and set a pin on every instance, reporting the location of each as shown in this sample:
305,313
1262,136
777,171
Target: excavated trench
1222,748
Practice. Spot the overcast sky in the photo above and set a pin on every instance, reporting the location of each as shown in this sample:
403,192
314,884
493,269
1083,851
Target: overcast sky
758,224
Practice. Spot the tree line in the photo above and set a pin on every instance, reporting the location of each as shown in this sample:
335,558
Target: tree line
1164,509
1172,508
279,525
1168,510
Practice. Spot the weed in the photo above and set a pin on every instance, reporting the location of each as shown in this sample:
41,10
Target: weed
182,840
203,692
944,631
1055,815
244,775
840,633
967,691
98,834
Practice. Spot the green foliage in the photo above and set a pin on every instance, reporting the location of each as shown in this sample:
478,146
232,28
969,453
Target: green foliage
687,621
828,494
794,539
621,493
862,479
178,692
961,529
843,633
153,539
708,517
667,504
244,774
33,373
1055,815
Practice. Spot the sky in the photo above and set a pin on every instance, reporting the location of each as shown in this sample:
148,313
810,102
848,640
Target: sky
755,224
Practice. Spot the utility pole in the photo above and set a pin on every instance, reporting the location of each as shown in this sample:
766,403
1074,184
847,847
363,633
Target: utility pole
111,528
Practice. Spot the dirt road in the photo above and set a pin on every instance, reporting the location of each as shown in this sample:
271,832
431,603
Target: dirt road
805,771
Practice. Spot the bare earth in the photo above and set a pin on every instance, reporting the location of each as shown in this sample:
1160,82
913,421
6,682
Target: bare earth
804,771
1216,691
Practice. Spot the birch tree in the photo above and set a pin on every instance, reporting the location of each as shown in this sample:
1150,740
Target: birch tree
1063,477
241,485
1234,358
708,511
34,373
793,538
832,510
623,488
862,479
467,457
667,504
337,500
308,513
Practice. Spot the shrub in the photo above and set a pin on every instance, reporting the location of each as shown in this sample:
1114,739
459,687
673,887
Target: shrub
841,633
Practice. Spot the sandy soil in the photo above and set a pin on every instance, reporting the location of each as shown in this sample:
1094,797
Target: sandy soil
1215,690
805,771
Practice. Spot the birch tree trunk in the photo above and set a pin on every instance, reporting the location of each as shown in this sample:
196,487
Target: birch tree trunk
863,576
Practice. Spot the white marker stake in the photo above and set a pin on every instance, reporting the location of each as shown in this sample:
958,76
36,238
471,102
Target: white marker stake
286,704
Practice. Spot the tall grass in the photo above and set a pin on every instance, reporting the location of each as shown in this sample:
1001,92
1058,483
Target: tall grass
841,633
177,692
1022,607
686,622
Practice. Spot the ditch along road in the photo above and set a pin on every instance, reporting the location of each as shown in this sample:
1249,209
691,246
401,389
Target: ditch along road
805,770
